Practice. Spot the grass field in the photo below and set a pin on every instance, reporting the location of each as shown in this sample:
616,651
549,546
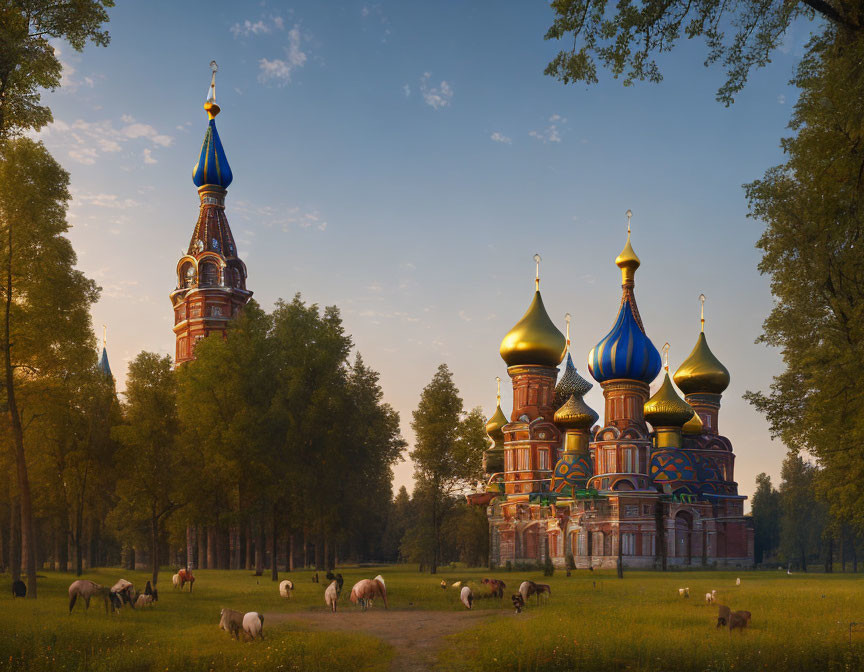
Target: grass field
593,621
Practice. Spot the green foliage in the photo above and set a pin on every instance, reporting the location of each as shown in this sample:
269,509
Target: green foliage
812,208
627,38
28,60
548,567
765,507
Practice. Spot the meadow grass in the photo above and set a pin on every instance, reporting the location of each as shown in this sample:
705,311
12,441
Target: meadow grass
592,621
596,621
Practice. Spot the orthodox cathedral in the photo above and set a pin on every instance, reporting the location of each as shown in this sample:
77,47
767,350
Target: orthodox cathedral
211,278
650,487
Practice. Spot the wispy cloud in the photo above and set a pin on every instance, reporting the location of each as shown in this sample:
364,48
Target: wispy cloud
435,97
284,217
103,200
86,142
781,99
263,26
552,132
280,70
70,82
498,137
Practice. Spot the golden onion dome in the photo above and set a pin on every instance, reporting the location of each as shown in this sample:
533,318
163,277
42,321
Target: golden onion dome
535,339
496,422
702,372
575,414
628,261
666,408
694,425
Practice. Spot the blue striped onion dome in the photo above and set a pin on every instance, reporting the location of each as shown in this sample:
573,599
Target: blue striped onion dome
625,352
212,167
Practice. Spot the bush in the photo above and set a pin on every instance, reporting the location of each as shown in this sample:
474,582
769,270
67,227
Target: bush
548,567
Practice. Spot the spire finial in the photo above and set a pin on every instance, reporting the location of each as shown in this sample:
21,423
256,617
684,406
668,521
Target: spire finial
210,105
702,312
104,335
567,320
537,260
498,381
629,215
666,356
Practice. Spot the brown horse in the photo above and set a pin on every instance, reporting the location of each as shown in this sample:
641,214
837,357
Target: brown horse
366,590
496,586
185,577
86,589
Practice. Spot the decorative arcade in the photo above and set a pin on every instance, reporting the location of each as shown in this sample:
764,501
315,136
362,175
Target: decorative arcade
650,487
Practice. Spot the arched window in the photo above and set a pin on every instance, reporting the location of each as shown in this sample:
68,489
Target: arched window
209,274
187,275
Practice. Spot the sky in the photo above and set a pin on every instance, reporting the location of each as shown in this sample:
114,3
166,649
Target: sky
405,161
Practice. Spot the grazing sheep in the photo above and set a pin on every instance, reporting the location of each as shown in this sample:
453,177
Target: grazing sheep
175,580
19,589
331,595
527,589
285,588
87,589
366,590
443,584
684,592
723,613
231,621
542,589
738,581
456,584
125,591
496,587
253,624
467,597
711,597
144,599
739,619
518,602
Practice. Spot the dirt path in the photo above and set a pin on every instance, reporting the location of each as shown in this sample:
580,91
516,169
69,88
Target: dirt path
414,635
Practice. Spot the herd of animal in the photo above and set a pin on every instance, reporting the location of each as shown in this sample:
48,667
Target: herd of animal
725,616
496,590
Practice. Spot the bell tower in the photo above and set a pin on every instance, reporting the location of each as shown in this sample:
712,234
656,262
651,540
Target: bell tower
211,278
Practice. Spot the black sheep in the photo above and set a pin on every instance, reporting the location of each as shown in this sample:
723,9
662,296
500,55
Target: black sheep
19,588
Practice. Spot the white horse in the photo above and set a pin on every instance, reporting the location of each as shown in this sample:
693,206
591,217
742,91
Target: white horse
331,595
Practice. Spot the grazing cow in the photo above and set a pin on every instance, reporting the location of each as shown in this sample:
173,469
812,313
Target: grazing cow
331,595
175,580
366,590
125,591
739,619
518,602
285,588
467,597
231,621
186,577
684,592
19,589
496,586
253,624
86,590
723,613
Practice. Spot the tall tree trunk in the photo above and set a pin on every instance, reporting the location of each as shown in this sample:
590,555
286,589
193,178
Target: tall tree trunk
803,559
829,558
291,552
436,541
154,544
201,533
190,547
259,548
248,563
211,547
274,570
14,539
305,547
28,542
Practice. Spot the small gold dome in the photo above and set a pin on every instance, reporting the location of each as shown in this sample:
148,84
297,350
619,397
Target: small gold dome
702,372
496,422
535,339
628,262
693,426
666,408
575,414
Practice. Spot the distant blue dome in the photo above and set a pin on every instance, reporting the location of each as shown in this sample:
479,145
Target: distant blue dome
626,352
212,167
103,363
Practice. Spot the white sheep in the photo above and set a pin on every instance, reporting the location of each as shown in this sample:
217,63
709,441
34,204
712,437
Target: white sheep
684,592
253,624
285,588
175,580
331,595
711,597
144,599
467,597
456,584
738,581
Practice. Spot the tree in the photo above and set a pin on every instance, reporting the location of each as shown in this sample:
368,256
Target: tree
766,518
627,39
46,302
398,522
813,208
28,60
801,524
150,467
448,449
